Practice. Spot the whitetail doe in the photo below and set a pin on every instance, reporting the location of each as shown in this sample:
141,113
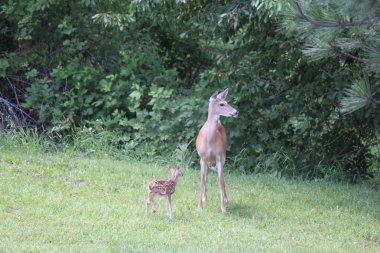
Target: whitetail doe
211,144
163,188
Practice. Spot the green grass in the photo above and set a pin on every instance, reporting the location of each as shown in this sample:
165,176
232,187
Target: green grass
64,202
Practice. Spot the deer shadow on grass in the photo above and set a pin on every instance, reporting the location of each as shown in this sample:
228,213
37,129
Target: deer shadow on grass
242,210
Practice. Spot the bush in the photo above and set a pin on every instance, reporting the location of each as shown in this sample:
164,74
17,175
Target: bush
138,75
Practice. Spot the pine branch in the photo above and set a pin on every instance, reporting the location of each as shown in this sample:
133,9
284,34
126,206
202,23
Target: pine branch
357,96
339,51
373,101
368,21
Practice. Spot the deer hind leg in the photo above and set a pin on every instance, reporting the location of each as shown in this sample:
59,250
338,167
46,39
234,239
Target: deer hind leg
155,207
169,205
223,195
203,195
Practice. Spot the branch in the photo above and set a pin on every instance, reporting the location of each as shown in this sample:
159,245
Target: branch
367,21
339,51
14,91
373,101
10,106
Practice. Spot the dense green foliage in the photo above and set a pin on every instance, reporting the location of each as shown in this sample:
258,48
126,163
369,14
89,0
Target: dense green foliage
143,71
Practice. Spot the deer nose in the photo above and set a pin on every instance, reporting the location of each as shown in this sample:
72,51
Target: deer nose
236,114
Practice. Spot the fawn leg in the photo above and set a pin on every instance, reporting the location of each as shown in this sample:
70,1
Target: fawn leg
149,202
155,208
147,206
169,205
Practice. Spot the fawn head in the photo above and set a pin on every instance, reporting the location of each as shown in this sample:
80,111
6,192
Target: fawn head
219,106
176,171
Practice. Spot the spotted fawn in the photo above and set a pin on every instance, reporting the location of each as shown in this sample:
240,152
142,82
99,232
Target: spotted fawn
163,188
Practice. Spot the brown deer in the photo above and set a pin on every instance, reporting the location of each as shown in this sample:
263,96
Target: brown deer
211,144
163,188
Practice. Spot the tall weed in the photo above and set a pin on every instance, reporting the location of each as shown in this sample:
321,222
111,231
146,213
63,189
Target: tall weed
28,139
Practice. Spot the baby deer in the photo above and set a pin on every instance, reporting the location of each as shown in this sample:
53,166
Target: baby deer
163,188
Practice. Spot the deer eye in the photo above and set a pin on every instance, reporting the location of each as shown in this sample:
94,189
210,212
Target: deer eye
222,104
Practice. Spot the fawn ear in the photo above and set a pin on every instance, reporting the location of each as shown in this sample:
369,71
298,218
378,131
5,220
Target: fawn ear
213,97
223,94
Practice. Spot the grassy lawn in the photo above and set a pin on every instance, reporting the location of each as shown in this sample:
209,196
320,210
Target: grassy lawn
71,203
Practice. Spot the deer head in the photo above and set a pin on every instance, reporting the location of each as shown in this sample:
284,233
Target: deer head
176,171
219,106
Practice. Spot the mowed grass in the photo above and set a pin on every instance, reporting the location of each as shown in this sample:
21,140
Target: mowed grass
72,203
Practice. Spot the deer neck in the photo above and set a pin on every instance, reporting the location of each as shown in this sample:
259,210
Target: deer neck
212,123
174,179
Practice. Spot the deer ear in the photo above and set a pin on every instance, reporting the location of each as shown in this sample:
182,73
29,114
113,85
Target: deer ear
223,94
213,96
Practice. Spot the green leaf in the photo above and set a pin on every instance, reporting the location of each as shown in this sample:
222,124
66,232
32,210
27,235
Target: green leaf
4,64
106,85
31,74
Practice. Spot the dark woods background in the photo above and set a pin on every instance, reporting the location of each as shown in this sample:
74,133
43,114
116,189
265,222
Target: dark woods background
137,75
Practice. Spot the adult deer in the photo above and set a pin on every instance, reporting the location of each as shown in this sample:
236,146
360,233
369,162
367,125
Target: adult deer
211,144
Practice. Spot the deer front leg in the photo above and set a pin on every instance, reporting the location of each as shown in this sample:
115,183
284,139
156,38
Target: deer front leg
169,205
148,202
223,195
203,196
147,209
